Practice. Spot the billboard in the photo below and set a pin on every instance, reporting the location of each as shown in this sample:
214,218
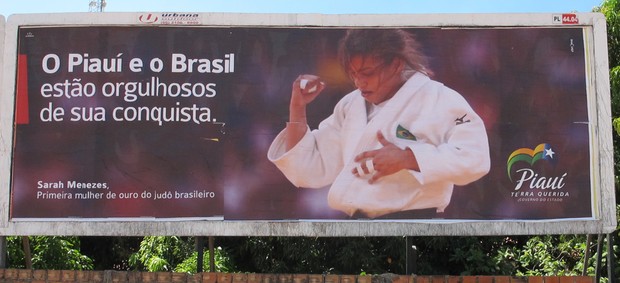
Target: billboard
171,123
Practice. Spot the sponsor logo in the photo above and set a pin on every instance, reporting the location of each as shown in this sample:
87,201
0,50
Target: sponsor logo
170,18
566,19
148,18
532,172
180,19
462,120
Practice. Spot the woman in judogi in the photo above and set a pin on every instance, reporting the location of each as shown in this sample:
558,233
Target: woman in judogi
393,148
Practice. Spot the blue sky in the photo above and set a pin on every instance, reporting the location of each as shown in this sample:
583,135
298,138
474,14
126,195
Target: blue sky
8,7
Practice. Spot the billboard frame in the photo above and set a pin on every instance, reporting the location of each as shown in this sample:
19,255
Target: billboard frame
601,145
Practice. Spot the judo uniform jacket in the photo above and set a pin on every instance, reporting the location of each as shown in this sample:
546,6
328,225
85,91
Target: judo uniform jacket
447,137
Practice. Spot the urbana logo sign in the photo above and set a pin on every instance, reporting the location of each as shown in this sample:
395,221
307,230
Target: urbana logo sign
148,18
536,184
180,19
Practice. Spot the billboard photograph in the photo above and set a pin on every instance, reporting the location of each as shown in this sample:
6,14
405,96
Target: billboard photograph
297,123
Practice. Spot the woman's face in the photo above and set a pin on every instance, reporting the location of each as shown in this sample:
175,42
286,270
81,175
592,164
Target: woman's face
377,80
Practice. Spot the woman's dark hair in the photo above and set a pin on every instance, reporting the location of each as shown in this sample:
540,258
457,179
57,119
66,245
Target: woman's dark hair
386,44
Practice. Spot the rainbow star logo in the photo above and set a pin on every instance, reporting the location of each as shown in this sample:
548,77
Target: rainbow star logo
542,151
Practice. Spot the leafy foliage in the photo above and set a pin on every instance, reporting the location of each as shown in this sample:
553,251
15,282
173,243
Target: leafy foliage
49,253
317,255
546,256
160,253
170,253
611,10
221,261
110,252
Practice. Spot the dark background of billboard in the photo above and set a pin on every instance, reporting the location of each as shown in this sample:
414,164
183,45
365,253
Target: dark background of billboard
528,84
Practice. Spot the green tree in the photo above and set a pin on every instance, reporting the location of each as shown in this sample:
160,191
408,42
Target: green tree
48,253
462,255
160,253
546,256
349,255
221,261
611,10
111,253
171,253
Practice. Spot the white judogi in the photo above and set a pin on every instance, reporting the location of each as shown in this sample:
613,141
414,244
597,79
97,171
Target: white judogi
447,137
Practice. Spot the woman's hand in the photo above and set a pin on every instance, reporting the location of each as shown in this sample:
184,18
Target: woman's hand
385,161
305,89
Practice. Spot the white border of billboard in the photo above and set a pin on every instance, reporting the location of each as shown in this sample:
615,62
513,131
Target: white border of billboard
6,118
604,205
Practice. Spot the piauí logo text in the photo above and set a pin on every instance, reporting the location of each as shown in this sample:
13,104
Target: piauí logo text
527,177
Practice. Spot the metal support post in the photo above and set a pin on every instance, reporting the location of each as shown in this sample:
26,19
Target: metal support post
212,253
599,256
587,255
611,259
411,256
200,244
3,252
